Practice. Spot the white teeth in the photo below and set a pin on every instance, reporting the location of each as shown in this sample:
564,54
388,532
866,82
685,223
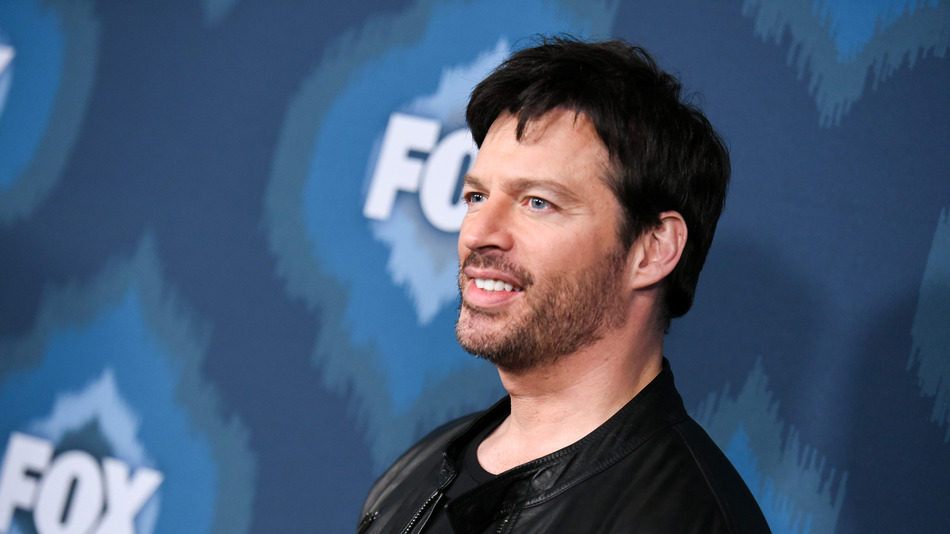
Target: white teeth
493,285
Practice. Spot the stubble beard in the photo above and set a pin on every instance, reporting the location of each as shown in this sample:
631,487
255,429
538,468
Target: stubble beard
561,315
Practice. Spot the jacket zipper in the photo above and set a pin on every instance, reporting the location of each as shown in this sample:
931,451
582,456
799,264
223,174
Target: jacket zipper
431,501
366,522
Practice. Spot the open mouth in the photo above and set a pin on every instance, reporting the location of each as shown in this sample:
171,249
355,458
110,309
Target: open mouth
488,284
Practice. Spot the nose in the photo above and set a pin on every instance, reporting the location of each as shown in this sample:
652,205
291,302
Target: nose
487,225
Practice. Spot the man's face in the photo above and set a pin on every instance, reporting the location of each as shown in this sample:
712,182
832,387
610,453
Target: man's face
542,268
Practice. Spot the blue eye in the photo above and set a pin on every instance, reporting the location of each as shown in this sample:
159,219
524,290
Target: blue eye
538,203
474,198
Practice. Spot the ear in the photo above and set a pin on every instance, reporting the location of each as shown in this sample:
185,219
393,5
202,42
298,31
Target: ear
655,253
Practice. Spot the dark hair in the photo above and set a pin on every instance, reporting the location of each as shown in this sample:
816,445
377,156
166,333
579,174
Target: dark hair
664,153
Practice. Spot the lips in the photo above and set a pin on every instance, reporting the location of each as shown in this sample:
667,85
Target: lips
491,280
495,272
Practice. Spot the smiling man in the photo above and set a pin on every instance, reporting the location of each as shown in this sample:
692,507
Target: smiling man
591,206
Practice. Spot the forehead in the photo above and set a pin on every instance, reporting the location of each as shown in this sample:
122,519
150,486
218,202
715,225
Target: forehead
559,145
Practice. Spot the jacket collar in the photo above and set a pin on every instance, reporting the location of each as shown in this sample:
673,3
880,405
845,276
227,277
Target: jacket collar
657,406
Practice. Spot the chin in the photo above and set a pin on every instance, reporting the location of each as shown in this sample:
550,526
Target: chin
474,335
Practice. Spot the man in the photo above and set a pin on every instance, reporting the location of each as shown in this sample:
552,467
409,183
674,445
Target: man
591,206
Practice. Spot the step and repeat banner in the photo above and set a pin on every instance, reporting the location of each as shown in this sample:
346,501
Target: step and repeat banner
228,260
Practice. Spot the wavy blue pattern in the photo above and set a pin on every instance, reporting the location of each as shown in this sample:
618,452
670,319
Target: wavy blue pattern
47,87
797,491
34,78
854,23
118,354
839,44
119,342
931,330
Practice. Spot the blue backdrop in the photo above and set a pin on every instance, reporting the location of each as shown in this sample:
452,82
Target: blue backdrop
227,252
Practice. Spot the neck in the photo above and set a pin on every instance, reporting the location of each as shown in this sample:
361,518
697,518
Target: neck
556,405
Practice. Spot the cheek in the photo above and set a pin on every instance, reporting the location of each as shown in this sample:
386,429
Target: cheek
574,256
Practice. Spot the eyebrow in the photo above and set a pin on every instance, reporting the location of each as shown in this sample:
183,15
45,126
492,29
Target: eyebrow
470,181
522,184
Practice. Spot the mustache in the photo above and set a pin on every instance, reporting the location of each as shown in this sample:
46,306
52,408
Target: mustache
499,262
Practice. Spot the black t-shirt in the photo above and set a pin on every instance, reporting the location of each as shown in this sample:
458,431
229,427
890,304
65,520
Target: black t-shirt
471,475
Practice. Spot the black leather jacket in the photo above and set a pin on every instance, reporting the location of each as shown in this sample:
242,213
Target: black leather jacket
649,468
